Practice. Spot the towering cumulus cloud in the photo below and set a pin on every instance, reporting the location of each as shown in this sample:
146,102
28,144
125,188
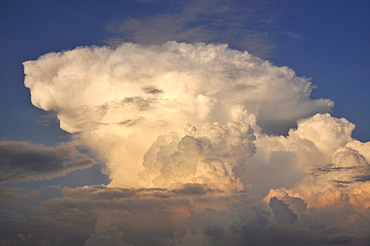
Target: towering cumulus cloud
204,145
120,100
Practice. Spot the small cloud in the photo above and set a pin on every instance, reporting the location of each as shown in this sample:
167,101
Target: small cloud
130,122
194,189
139,102
362,178
341,183
152,90
328,168
282,212
292,34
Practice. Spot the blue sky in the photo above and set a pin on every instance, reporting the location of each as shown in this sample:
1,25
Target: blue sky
331,47
326,43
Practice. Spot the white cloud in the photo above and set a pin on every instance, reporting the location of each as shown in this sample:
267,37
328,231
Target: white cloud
120,100
206,155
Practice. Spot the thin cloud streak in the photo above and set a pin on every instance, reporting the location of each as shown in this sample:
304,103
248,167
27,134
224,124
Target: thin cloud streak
23,161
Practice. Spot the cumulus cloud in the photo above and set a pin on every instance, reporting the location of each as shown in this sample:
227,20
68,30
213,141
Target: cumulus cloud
206,155
336,182
330,189
23,161
119,100
204,145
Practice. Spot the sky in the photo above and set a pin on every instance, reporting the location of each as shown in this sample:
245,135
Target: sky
158,122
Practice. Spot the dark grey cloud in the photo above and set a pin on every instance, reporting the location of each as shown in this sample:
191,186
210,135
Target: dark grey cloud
11,196
329,168
104,193
282,212
152,90
122,215
139,102
345,175
194,189
131,122
341,183
14,199
23,161
362,178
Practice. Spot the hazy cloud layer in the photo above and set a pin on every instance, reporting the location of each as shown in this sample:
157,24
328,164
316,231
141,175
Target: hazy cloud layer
242,25
121,216
23,161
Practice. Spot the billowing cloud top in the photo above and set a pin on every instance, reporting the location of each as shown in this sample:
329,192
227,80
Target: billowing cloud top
184,83
120,100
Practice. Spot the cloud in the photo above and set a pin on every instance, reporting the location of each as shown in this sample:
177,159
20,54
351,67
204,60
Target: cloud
102,95
23,161
122,216
204,145
284,161
241,25
281,211
135,216
13,199
206,155
338,184
11,196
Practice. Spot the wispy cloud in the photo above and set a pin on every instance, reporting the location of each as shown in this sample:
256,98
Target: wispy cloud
245,26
